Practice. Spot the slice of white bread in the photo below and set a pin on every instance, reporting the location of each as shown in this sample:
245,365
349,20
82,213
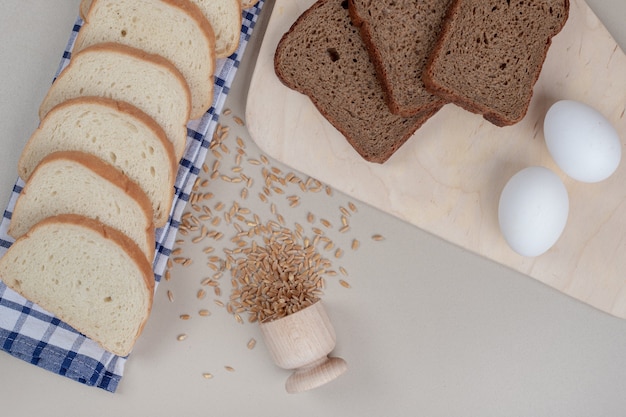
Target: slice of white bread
223,15
87,274
116,132
225,18
147,81
74,182
174,29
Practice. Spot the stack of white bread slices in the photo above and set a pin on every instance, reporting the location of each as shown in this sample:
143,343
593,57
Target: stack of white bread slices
99,170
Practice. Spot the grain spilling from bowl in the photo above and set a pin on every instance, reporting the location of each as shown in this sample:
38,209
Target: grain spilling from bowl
276,277
262,264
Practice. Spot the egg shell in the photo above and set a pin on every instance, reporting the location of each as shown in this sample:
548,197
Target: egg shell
533,210
582,142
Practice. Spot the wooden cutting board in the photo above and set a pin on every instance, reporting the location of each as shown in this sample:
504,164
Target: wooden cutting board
448,177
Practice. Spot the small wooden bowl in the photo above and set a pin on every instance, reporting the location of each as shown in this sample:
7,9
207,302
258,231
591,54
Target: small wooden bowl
302,341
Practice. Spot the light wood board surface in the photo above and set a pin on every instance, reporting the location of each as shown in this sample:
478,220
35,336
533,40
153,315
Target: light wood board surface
448,177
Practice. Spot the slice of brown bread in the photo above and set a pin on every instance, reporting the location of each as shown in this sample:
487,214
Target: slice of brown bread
490,53
322,56
399,36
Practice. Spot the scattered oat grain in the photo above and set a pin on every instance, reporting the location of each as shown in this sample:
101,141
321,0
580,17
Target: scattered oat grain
251,343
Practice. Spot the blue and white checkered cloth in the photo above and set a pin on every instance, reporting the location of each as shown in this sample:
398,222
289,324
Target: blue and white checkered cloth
34,335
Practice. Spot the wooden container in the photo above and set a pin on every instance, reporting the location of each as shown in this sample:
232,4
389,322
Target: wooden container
302,342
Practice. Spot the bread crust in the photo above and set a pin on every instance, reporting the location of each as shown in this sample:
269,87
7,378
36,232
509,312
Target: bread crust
494,117
83,8
246,4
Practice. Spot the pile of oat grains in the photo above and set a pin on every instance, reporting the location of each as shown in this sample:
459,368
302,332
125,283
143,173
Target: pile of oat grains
261,267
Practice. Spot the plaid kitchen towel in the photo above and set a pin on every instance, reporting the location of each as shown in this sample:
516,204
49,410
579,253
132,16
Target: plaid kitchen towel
34,335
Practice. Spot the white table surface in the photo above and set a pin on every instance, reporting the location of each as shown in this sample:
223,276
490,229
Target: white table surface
426,328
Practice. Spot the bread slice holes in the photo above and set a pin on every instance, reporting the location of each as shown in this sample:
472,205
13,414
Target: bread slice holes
333,54
108,299
123,33
113,156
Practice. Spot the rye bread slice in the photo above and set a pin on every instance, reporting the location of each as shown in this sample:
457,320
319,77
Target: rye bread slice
322,56
399,36
490,54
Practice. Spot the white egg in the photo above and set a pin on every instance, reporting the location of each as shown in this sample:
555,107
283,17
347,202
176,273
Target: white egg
533,210
582,141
